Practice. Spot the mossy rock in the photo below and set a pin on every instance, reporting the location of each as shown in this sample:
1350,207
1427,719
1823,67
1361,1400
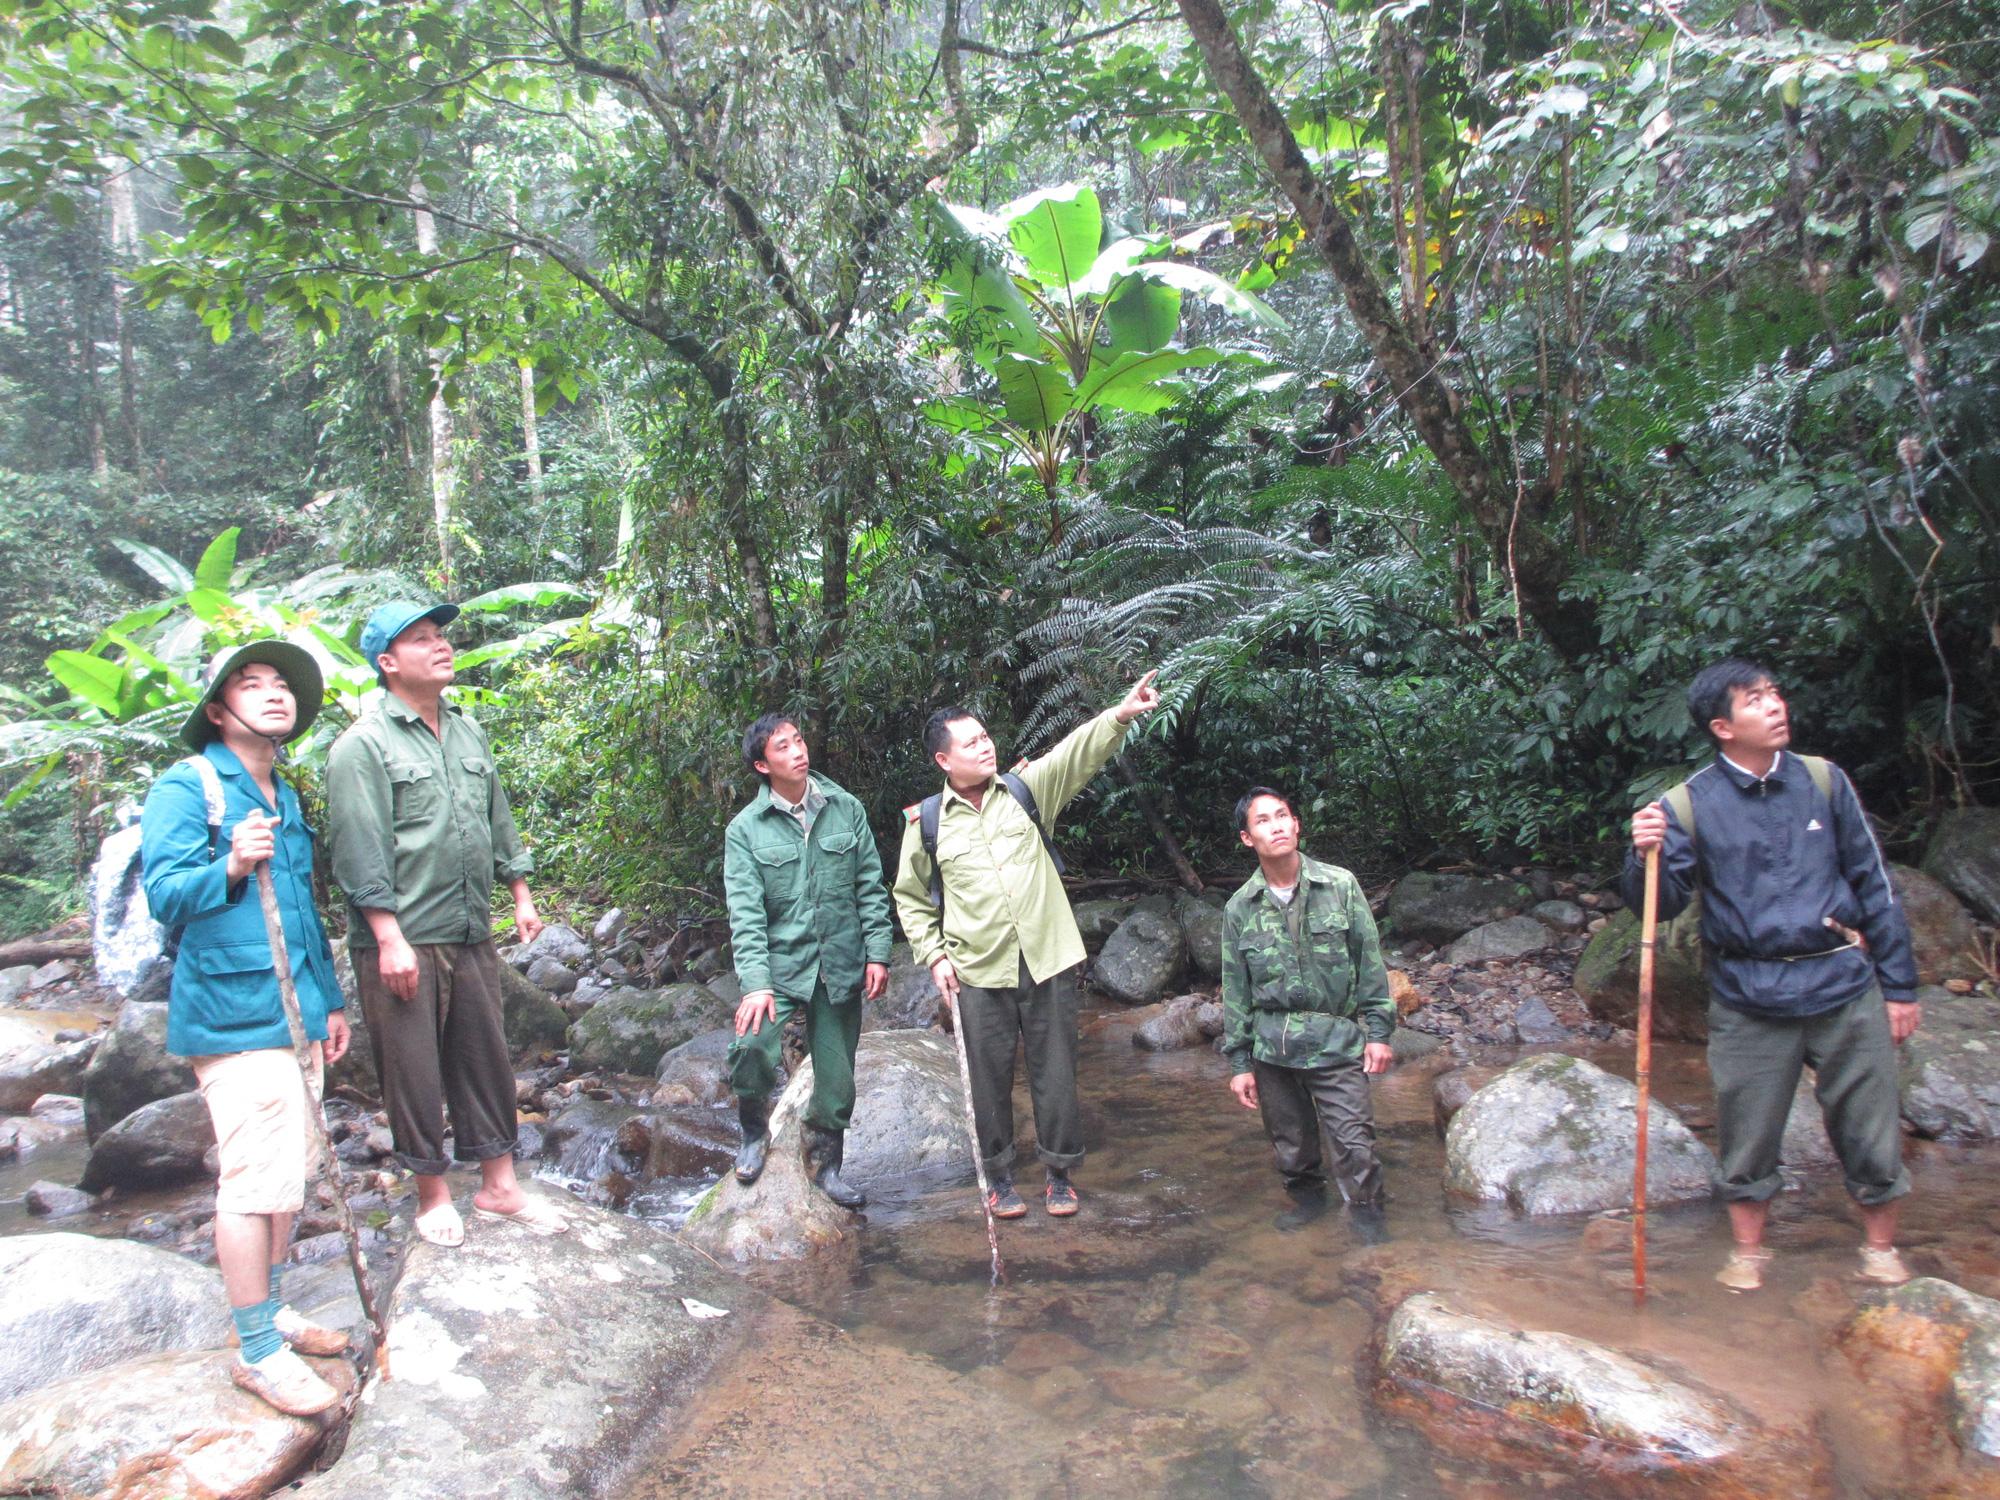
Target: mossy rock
1607,977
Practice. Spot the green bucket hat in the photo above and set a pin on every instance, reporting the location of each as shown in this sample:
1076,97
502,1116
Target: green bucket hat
301,672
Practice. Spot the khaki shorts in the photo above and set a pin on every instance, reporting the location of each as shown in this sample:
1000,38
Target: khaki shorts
263,1127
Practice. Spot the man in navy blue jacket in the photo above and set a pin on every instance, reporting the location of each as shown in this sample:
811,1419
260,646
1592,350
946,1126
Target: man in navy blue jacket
1808,959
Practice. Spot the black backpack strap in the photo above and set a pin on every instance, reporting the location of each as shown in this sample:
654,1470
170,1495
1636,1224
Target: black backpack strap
928,812
1019,790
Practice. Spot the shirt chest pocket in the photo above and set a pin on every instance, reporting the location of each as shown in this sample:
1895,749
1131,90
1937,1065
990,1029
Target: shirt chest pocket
413,791
1326,933
1261,957
474,786
833,859
1017,843
778,869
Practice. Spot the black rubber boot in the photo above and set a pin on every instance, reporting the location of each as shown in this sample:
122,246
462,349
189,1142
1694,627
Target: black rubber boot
756,1117
1308,1204
824,1151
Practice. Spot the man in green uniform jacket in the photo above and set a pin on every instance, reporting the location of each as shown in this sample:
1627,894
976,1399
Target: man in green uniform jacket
1306,1008
1004,948
421,833
809,925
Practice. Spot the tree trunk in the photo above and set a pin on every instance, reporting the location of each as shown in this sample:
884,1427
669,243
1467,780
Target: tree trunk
1426,397
531,435
124,245
399,411
1162,834
42,950
742,531
444,469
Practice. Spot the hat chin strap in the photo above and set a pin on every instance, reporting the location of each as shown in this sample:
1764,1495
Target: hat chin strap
278,750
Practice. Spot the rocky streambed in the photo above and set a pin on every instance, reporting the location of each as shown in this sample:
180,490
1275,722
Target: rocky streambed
1169,1340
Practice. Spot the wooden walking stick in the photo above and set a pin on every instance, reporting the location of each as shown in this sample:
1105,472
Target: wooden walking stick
1649,925
972,1134
281,963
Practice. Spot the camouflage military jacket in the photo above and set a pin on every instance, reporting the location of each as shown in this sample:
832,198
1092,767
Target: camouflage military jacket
1303,983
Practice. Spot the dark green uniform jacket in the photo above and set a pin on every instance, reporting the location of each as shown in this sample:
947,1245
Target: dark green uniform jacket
805,910
1303,984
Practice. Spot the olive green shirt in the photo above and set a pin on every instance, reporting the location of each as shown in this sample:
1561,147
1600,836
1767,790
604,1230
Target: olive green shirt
1003,900
419,824
806,901
1303,983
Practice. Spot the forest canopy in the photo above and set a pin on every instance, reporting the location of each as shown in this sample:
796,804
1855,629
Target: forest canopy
1427,390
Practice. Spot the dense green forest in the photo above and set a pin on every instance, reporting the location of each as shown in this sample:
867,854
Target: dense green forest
1426,389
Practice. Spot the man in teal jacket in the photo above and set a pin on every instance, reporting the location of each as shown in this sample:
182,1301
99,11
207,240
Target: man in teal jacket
208,823
809,925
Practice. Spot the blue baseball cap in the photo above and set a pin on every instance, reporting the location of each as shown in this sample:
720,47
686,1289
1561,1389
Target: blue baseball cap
387,621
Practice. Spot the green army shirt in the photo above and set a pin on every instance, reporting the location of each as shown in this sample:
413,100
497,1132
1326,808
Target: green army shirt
1003,900
805,906
419,824
1303,983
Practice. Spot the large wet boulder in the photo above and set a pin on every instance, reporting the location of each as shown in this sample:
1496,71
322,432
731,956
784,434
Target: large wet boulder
908,1132
1950,1069
527,1366
1451,1089
1507,939
1485,1390
1607,977
1437,908
701,1065
73,1303
1143,960
1964,854
162,1144
132,1066
1942,933
162,1425
1190,1021
534,1022
1557,1135
629,1030
557,942
33,1062
1097,920
1933,1347
910,1001
1201,925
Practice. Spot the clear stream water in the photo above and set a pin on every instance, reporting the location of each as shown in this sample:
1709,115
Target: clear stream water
1170,1341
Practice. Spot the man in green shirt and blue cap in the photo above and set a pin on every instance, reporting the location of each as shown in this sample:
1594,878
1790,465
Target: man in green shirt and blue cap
421,832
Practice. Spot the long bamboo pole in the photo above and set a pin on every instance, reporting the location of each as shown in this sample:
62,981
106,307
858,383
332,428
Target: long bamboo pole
972,1135
1649,925
357,1258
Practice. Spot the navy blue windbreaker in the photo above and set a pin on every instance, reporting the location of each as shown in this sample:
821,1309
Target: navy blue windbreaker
1776,857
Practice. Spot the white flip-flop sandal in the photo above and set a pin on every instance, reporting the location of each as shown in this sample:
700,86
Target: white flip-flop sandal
441,1226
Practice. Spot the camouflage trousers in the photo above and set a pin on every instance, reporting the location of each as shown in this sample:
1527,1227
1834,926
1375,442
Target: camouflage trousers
1300,1105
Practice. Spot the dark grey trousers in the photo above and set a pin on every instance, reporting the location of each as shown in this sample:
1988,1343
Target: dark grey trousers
446,1049
1043,1018
1755,1062
1301,1104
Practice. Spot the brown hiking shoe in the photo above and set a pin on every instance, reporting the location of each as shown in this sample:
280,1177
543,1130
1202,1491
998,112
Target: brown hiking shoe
1883,1267
285,1381
1744,1270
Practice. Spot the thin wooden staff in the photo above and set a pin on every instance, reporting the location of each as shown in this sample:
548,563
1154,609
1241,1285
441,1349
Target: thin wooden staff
972,1134
357,1258
1649,925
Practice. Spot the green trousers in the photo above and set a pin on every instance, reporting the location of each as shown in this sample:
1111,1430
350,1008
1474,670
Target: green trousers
833,1030
1756,1061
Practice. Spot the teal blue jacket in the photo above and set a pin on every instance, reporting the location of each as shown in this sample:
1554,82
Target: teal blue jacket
225,990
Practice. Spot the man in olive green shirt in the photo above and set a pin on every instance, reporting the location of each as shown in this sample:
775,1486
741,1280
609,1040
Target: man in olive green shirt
809,926
1004,947
1306,1011
421,832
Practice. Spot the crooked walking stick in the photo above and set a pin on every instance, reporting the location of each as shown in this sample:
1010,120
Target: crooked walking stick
1649,926
281,962
972,1134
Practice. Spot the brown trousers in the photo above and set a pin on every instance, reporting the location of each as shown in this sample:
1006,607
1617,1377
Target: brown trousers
443,1050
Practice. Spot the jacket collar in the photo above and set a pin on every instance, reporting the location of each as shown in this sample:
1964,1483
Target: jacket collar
765,802
1311,872
1743,781
396,708
227,763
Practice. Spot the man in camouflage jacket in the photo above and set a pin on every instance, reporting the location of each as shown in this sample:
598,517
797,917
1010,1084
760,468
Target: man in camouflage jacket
1307,1011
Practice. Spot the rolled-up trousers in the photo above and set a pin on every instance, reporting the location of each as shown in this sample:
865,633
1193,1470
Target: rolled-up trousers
1041,1018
